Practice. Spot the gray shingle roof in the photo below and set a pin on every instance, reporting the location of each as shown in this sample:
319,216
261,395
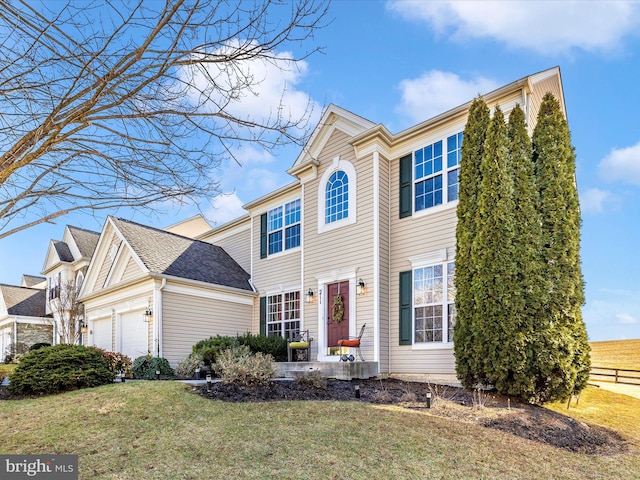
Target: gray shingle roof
86,240
171,254
24,301
31,280
63,251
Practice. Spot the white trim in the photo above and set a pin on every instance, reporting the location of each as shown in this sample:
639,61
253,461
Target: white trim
351,217
376,256
341,275
281,288
209,294
428,259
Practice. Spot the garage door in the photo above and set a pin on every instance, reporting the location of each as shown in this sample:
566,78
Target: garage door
102,334
134,335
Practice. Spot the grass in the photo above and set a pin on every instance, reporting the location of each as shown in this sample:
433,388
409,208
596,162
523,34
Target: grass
616,354
6,369
160,430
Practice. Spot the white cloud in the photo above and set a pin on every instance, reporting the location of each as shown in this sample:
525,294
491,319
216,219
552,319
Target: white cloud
226,207
259,89
594,200
622,164
435,92
626,318
545,27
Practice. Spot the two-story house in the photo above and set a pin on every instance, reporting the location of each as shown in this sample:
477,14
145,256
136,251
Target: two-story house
364,234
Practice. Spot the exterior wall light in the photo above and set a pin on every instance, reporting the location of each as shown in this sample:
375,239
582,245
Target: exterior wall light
361,287
309,297
148,314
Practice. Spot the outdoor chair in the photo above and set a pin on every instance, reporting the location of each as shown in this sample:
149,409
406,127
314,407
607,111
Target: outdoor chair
300,343
352,342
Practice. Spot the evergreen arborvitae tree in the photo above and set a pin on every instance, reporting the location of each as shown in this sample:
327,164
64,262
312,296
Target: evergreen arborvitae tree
475,133
560,341
495,302
527,289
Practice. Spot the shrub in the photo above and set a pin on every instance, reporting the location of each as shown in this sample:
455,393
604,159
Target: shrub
117,362
145,367
187,366
58,369
239,366
271,345
212,346
312,379
38,346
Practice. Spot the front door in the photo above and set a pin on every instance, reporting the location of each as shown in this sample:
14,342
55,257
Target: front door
337,312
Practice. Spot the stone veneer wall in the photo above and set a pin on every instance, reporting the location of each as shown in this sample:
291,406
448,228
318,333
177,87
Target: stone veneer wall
29,333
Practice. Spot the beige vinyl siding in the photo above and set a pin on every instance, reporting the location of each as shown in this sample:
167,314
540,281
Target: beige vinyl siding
334,252
131,271
238,246
540,89
108,262
188,319
410,237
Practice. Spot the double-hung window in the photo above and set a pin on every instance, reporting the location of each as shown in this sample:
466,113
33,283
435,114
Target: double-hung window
283,227
434,303
435,172
283,314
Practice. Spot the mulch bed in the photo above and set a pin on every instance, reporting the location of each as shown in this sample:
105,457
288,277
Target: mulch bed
487,409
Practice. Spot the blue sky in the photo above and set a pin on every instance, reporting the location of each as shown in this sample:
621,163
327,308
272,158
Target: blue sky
399,63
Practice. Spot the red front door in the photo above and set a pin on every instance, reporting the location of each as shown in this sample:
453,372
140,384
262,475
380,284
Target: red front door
337,312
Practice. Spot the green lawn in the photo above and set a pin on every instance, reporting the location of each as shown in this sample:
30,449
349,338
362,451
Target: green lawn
159,430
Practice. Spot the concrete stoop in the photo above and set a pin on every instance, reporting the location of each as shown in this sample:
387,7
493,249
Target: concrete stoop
337,370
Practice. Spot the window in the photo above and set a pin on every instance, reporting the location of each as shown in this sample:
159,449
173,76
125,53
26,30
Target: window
435,173
337,197
283,227
283,314
434,303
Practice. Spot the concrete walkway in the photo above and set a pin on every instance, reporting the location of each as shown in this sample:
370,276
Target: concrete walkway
623,389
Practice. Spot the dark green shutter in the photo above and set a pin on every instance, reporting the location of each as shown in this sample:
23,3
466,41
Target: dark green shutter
405,307
263,315
405,186
263,235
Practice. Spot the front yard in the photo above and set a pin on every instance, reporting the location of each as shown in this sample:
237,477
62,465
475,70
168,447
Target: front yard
161,430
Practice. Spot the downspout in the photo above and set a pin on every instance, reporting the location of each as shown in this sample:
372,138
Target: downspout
303,323
157,324
389,309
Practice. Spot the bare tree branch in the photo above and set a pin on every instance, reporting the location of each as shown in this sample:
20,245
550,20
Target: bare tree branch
114,104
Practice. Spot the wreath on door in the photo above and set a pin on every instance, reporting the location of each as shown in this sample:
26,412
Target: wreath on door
338,309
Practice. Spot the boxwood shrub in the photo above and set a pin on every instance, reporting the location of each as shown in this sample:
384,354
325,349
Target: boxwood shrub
145,367
58,369
211,347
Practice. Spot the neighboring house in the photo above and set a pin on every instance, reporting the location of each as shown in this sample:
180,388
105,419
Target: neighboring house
65,266
366,234
23,320
152,291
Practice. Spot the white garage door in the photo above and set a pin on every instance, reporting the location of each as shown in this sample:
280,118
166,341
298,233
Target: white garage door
102,334
134,333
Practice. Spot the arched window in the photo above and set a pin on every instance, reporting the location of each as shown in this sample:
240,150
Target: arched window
337,197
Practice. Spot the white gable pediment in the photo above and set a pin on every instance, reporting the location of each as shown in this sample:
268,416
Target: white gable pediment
51,259
334,118
113,262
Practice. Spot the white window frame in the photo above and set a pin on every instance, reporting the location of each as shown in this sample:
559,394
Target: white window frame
444,172
283,228
443,258
282,304
348,168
